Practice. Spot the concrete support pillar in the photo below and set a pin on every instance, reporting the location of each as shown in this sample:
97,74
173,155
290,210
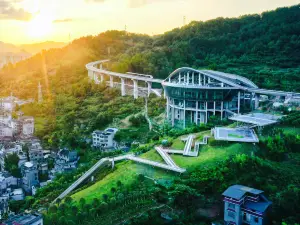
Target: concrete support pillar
196,117
94,76
101,78
222,110
206,112
188,78
183,114
204,81
149,85
239,101
100,66
135,89
199,80
111,81
208,80
123,90
256,105
179,78
193,79
168,108
173,114
184,78
214,108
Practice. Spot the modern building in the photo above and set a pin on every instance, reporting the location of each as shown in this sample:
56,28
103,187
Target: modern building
245,205
193,96
25,219
104,139
29,176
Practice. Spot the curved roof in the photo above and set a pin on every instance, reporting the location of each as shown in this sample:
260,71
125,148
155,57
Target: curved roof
207,73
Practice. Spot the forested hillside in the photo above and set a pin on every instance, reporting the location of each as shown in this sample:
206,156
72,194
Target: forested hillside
264,48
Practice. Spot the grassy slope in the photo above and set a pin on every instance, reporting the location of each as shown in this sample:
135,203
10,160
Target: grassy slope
128,171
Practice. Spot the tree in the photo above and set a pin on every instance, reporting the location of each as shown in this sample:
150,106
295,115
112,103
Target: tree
11,164
82,203
69,200
105,198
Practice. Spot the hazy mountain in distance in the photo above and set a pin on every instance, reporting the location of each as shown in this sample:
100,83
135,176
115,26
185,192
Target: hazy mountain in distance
6,47
37,47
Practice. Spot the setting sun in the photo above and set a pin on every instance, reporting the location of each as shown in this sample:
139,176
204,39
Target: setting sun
40,25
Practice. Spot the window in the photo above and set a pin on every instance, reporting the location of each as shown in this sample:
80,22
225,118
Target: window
231,214
231,206
256,220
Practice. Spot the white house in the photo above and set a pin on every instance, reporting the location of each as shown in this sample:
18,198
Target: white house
104,139
27,125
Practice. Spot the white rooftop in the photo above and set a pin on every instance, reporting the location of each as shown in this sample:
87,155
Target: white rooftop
260,119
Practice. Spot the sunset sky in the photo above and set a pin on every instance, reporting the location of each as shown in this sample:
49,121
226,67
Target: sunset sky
28,21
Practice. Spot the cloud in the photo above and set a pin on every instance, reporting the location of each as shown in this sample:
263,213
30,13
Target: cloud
9,12
63,20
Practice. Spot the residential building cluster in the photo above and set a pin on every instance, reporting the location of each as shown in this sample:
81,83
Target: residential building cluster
14,125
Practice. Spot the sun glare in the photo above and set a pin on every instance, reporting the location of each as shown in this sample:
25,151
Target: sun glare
40,25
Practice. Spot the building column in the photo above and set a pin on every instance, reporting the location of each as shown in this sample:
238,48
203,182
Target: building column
204,80
239,101
193,79
222,110
256,105
214,108
196,117
173,114
123,90
206,112
168,108
100,66
200,79
183,114
111,81
101,78
179,78
135,89
149,84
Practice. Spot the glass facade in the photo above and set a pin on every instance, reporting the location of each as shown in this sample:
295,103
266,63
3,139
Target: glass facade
201,93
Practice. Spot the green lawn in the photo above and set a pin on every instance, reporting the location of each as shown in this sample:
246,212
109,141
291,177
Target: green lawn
127,172
209,155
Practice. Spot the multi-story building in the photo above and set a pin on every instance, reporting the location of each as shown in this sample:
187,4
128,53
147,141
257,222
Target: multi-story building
7,181
27,125
195,95
25,219
245,205
7,104
35,152
17,194
7,150
29,176
104,139
66,160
